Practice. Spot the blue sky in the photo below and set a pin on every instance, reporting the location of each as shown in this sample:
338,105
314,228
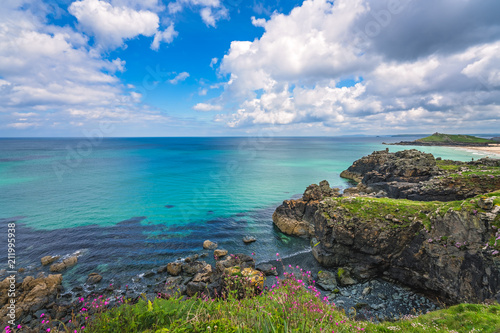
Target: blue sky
231,68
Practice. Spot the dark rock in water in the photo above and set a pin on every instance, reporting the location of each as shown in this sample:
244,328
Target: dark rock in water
267,269
169,206
210,212
149,274
94,278
209,245
249,239
162,269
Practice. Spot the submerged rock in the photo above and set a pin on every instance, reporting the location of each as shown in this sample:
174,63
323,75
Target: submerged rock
94,278
66,263
209,245
47,260
249,239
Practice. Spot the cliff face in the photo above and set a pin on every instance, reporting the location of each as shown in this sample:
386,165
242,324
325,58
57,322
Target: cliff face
449,249
439,250
296,217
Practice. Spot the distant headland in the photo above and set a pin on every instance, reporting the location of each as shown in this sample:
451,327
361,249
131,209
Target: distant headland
440,139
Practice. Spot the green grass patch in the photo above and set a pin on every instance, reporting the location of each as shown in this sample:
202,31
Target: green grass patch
459,318
286,309
450,138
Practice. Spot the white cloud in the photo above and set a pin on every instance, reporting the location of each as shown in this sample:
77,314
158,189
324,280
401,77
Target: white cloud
214,62
207,107
179,77
47,75
210,10
290,75
166,36
258,22
111,25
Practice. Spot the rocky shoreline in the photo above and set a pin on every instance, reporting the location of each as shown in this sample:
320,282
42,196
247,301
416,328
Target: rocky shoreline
447,249
374,255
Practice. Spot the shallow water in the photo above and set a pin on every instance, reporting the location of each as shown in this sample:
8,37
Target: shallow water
129,205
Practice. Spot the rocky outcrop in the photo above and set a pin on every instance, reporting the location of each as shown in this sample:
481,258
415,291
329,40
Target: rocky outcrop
209,245
47,260
197,277
295,217
448,259
66,263
410,166
414,175
449,249
30,296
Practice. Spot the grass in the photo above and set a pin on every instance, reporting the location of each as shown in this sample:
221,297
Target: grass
287,308
290,306
450,138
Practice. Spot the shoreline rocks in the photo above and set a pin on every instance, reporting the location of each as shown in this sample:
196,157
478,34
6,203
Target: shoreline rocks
435,248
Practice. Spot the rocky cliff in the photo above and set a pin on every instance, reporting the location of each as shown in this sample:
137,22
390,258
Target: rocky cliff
448,249
413,175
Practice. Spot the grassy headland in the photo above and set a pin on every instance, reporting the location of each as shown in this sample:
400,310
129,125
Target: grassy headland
450,138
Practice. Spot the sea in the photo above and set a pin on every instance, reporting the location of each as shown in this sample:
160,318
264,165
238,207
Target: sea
127,206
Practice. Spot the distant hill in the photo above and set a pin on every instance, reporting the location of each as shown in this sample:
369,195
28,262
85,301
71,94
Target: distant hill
451,138
440,139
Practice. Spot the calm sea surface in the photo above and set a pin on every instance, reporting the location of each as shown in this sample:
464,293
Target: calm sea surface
130,205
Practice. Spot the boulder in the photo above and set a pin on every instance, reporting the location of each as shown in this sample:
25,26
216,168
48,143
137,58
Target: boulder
209,245
94,278
249,239
194,267
47,260
174,268
31,295
196,288
220,253
204,274
66,263
239,259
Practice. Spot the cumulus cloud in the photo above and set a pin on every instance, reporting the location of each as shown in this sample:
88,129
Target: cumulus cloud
46,71
179,77
446,69
111,25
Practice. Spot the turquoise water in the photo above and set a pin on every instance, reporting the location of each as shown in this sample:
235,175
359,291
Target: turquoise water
133,204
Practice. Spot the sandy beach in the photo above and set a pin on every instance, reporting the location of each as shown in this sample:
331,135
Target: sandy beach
491,151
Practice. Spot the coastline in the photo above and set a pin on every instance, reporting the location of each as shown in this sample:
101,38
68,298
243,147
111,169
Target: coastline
489,151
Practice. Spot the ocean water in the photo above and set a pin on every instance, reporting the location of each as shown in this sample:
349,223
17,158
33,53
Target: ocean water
129,205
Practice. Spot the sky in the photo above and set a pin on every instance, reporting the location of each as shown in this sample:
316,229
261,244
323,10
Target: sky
248,67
